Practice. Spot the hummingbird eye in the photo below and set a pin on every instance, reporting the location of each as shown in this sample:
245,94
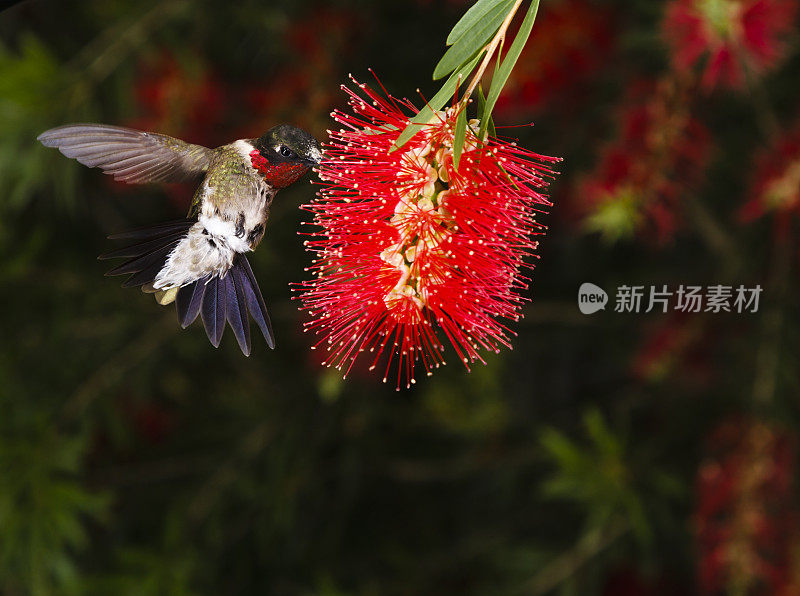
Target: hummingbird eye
285,151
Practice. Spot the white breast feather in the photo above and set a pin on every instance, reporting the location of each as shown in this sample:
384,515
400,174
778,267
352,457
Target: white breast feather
226,230
244,149
194,256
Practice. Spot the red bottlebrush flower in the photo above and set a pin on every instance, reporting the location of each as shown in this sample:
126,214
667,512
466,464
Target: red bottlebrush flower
412,249
746,515
661,152
736,36
776,183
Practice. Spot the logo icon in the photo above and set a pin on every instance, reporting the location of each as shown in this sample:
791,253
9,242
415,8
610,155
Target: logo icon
591,298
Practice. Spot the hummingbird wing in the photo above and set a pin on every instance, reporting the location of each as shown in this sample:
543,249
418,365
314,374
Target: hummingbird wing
129,155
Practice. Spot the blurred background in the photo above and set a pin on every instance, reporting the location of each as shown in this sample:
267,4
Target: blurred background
616,454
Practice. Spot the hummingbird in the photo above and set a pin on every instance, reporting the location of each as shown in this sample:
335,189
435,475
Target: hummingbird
199,262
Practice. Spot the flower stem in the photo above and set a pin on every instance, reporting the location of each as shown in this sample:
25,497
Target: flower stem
490,49
766,119
768,356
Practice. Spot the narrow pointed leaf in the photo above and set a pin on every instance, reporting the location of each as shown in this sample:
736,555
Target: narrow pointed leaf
504,71
481,102
482,112
435,103
459,135
473,39
475,14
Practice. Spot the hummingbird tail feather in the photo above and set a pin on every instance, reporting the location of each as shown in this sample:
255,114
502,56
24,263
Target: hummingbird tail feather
246,282
213,310
216,298
228,298
148,256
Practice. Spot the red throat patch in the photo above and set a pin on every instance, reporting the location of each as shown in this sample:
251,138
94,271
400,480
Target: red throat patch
278,175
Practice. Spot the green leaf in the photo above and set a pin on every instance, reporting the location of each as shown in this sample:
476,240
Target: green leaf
492,129
562,449
504,71
435,103
473,39
482,113
379,130
459,136
475,14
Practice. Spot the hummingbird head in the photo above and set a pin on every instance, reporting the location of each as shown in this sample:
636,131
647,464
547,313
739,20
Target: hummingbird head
284,153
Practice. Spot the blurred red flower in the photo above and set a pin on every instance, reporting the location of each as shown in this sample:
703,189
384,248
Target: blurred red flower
318,42
559,59
736,37
776,182
183,102
411,247
746,515
187,103
628,581
661,151
676,343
